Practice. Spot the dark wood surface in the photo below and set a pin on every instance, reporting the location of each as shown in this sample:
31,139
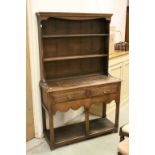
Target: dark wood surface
127,25
74,35
79,81
73,15
55,70
67,134
74,56
63,39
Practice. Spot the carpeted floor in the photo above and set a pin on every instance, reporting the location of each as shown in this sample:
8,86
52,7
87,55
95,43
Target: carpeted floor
104,145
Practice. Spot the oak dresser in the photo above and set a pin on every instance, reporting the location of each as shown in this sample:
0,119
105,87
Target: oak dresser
74,56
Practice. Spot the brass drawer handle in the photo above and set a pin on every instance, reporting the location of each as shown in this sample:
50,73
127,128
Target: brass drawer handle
69,97
106,91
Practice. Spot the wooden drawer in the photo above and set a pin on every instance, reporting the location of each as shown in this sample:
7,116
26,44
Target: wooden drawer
88,92
102,90
66,96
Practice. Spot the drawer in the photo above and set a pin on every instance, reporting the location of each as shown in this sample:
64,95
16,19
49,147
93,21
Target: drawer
102,90
88,92
71,95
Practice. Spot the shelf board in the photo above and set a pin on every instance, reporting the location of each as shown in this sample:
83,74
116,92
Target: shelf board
74,35
70,132
66,134
76,132
101,125
74,57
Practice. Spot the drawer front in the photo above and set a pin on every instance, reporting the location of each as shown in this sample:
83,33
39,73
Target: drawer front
103,90
88,92
67,96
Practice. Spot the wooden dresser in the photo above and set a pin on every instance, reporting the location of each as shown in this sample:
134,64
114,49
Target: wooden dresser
74,56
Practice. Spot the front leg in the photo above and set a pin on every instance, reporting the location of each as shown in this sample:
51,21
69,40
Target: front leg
117,116
51,122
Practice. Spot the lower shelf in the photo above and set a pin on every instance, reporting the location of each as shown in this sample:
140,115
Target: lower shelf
76,132
100,125
69,133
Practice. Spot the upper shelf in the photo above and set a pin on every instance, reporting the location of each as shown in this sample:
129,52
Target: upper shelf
74,35
74,57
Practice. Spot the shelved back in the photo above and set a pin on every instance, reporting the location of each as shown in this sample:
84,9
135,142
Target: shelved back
73,44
